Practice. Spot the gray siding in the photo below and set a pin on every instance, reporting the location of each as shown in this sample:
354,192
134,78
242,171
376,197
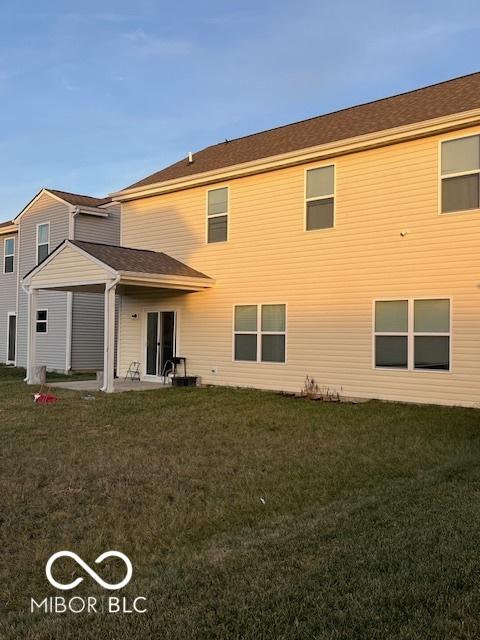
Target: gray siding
94,229
8,294
87,319
87,331
51,347
87,309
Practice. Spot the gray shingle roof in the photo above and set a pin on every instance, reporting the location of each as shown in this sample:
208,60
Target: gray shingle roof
137,260
445,98
79,200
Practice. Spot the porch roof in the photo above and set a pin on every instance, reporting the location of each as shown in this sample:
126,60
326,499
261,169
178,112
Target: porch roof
75,264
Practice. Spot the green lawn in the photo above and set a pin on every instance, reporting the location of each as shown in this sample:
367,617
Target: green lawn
10,374
246,515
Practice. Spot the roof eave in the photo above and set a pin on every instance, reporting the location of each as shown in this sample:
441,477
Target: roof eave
8,230
170,281
340,147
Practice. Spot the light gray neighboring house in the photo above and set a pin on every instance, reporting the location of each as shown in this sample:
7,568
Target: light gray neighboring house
69,326
8,290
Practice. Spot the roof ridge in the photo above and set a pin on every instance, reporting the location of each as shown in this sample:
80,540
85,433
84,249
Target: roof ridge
453,96
81,195
353,106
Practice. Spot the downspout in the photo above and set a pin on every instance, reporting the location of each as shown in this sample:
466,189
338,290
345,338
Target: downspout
72,212
108,288
26,289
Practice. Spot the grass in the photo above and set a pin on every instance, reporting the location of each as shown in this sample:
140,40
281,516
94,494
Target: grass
246,515
15,374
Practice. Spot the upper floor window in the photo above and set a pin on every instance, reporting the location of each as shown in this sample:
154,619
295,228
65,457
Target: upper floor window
320,196
8,255
412,334
217,215
461,174
260,333
43,241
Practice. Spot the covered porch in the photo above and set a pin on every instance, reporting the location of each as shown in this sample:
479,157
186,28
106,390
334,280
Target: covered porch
91,267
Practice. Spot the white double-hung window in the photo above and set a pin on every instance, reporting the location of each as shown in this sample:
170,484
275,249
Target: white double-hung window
460,174
217,215
320,198
412,334
9,255
43,241
259,333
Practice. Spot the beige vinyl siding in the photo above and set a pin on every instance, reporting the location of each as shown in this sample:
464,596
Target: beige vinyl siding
70,267
51,348
8,294
328,278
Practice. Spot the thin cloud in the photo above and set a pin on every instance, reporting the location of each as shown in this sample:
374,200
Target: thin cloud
424,35
147,46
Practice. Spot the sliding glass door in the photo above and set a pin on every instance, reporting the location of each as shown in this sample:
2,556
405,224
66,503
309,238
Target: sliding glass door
160,342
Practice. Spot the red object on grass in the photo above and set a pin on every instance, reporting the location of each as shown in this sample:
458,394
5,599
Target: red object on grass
44,398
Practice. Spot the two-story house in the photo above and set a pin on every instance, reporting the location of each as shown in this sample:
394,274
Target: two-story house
343,247
69,326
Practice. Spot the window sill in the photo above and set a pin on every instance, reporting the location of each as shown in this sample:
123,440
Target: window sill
317,230
462,211
258,362
405,370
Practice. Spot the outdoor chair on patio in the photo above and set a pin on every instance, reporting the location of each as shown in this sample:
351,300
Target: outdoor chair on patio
133,371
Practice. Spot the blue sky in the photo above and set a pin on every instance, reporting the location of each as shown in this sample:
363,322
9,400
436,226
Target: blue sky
96,95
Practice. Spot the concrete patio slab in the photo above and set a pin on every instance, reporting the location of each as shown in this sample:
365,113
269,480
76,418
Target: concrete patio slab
119,385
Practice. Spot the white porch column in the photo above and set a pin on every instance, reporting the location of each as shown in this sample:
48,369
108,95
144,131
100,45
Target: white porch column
31,334
109,337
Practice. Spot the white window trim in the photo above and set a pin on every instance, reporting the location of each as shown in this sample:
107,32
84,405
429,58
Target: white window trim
37,245
41,333
9,315
259,333
451,138
217,215
332,195
9,255
411,334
